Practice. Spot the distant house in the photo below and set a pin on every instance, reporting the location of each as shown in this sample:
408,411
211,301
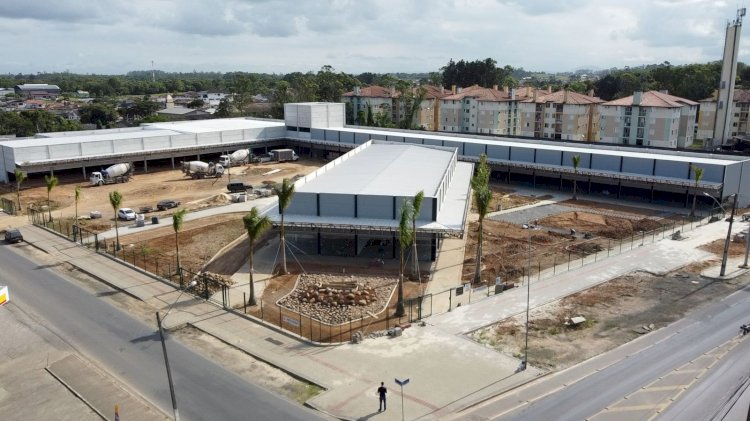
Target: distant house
212,98
183,113
82,94
33,104
37,90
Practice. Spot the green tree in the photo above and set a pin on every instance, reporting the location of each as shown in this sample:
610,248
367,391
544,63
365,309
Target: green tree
482,199
178,219
20,178
52,181
697,176
115,200
255,225
576,163
285,192
404,240
98,113
196,103
224,109
416,208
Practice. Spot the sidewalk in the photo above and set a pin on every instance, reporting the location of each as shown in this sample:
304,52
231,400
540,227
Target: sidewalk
448,372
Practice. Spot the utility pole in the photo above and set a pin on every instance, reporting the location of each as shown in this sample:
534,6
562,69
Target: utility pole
169,371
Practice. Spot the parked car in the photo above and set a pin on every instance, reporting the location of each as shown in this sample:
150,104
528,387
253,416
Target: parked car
238,187
126,214
13,235
167,204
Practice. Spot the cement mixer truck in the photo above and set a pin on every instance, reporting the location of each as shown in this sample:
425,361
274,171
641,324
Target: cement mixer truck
238,157
200,169
118,173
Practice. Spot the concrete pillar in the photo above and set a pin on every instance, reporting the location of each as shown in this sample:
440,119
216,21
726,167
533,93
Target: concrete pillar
84,172
172,162
145,165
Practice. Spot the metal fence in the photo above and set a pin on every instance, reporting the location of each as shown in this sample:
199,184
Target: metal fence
327,330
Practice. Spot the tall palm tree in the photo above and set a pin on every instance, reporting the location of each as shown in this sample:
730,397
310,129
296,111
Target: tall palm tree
482,199
52,182
416,207
177,220
285,191
255,225
480,184
20,178
576,163
78,198
115,199
404,240
697,176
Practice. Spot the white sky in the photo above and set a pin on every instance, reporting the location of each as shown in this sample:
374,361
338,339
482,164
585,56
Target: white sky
281,36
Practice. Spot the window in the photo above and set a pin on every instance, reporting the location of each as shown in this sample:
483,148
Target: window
626,132
642,112
628,110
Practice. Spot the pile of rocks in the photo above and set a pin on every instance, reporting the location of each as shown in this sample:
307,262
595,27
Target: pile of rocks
338,299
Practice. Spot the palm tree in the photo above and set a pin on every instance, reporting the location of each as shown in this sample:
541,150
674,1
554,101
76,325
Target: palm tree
177,219
285,192
482,199
576,163
404,239
20,178
697,176
480,183
115,199
78,228
255,225
416,207
52,182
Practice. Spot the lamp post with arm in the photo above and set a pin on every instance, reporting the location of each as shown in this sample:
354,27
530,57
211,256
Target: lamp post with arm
729,237
159,322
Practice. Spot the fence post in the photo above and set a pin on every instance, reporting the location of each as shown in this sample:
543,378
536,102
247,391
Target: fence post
609,245
554,264
538,271
568,260
300,324
96,243
261,310
244,301
450,299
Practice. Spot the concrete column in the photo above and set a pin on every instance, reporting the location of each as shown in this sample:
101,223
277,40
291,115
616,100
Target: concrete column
145,165
84,172
172,162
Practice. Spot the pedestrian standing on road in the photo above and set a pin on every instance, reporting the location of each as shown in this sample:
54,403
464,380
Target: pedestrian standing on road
381,392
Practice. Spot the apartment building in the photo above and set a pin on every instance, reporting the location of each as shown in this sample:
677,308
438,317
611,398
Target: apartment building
562,115
652,118
483,110
389,100
707,115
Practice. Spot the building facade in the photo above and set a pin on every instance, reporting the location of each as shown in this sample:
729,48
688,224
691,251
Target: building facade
650,118
561,115
739,120
483,110
37,91
390,102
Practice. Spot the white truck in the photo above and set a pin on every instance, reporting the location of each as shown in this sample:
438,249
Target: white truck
200,169
118,173
282,155
238,157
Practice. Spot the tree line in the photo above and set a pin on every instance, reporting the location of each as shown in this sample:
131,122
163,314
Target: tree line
691,81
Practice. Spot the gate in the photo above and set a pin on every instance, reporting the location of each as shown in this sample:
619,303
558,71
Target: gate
419,307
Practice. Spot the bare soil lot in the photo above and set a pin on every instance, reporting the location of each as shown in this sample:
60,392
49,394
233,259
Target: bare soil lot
616,312
506,245
146,189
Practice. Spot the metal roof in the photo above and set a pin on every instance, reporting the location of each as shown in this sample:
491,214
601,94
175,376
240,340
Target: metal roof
215,125
385,169
73,140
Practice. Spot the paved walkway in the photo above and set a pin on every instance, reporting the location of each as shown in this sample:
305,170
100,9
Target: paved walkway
431,355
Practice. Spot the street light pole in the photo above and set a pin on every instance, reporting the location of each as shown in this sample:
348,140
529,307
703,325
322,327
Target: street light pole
747,247
524,363
729,237
159,321
169,371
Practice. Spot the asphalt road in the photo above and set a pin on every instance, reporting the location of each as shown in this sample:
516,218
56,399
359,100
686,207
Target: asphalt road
704,329
723,394
131,350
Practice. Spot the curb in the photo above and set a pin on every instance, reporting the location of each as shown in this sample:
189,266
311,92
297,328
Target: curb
76,394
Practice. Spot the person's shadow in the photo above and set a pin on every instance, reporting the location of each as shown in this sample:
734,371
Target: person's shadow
368,416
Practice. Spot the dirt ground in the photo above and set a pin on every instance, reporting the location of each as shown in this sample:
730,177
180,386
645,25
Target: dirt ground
506,246
146,189
616,312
